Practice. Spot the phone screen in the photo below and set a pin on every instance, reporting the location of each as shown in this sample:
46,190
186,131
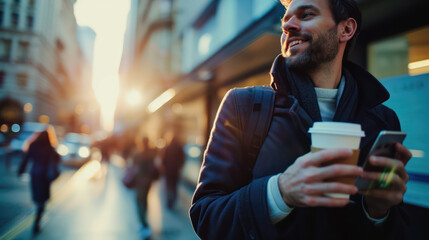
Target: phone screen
384,145
386,149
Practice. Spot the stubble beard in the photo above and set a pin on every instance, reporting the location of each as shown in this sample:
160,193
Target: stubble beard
322,49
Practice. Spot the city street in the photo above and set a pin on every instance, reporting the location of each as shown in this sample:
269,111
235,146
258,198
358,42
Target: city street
217,97
90,203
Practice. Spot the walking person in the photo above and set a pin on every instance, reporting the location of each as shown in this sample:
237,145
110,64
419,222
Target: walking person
147,173
282,194
44,170
172,163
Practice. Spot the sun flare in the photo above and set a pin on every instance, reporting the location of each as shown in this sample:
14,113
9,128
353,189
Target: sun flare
108,19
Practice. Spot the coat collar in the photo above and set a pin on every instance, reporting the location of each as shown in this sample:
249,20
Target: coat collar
371,91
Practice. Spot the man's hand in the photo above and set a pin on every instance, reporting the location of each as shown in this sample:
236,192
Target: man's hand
302,184
378,201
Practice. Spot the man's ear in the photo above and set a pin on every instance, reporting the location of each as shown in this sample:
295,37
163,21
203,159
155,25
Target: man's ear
346,29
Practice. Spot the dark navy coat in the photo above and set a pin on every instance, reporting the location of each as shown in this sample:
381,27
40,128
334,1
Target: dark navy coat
230,201
40,156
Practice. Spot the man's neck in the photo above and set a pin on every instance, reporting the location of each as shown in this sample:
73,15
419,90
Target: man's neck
327,75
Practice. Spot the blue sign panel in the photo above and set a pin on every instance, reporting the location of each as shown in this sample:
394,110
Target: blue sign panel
409,97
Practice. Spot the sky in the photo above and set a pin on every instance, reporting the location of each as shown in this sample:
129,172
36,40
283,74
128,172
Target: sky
108,19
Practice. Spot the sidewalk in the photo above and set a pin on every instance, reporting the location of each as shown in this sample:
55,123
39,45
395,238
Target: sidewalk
96,205
15,196
167,224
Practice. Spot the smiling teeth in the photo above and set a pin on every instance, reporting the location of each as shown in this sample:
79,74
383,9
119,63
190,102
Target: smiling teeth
296,42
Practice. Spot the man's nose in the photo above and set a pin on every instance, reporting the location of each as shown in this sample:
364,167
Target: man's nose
292,24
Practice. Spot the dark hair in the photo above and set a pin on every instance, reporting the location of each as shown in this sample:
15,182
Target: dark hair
342,10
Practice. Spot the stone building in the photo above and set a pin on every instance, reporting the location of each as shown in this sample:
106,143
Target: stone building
41,62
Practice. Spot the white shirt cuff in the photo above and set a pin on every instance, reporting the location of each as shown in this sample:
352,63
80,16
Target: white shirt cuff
277,208
374,220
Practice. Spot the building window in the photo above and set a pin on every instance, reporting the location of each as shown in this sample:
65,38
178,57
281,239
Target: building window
23,51
5,49
30,14
22,79
2,77
15,18
406,53
30,22
2,4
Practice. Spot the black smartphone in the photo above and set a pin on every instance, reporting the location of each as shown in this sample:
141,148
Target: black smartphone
384,146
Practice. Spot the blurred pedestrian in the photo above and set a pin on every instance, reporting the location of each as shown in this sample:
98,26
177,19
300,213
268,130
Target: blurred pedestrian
44,170
106,147
147,173
127,145
172,163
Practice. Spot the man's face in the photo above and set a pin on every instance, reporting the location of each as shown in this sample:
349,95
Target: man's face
309,34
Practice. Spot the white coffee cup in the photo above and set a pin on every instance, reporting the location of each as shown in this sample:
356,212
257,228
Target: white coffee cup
325,135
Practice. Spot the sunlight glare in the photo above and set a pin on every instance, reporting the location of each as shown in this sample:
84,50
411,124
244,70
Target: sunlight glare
89,170
108,19
133,98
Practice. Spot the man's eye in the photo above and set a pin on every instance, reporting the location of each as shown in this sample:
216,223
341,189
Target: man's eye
307,15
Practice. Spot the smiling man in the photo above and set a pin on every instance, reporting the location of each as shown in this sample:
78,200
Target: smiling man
307,45
282,195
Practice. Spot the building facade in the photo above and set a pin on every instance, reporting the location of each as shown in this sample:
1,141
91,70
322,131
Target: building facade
41,62
148,68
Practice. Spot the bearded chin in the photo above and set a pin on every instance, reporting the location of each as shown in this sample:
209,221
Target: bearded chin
303,63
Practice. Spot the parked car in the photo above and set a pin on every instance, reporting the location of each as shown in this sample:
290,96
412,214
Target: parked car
75,147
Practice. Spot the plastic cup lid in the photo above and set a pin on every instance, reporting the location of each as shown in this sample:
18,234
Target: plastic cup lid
337,128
